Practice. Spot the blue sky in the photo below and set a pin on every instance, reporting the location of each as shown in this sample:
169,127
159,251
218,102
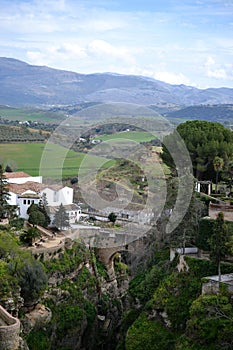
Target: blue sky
180,42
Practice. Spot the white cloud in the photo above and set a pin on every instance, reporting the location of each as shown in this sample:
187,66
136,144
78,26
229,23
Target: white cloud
179,47
104,49
172,78
210,61
217,73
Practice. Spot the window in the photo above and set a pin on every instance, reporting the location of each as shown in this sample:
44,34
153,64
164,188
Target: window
24,201
29,202
55,196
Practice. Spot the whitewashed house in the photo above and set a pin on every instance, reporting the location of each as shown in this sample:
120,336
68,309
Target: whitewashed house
23,193
20,177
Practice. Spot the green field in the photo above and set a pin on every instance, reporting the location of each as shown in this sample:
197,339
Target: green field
27,157
22,114
137,136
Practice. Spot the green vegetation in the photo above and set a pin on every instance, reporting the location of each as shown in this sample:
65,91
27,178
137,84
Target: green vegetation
112,217
22,114
29,236
38,340
163,307
27,157
204,141
4,194
137,136
19,270
219,242
147,334
170,319
68,260
210,326
19,134
61,218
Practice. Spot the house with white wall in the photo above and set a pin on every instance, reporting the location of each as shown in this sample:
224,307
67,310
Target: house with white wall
23,193
20,177
57,195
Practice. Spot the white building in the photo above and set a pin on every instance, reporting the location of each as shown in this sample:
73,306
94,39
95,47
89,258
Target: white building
57,195
21,177
73,210
23,193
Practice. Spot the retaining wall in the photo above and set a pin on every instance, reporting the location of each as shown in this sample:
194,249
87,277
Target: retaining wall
9,331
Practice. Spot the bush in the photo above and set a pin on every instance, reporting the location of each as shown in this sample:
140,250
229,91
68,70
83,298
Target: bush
146,334
32,280
38,340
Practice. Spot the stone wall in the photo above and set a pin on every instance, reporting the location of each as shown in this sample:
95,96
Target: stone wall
9,331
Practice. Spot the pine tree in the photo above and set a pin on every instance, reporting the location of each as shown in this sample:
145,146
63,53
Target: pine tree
61,218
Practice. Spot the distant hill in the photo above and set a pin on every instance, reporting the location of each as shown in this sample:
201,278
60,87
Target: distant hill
216,113
27,85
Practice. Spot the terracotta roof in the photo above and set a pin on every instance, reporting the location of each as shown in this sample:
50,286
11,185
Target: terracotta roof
16,174
27,186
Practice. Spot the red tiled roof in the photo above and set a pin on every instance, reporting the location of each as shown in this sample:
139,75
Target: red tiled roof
27,186
16,174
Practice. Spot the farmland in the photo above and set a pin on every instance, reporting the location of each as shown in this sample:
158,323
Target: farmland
27,157
137,136
35,115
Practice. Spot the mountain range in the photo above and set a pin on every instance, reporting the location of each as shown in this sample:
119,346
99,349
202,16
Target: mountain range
23,84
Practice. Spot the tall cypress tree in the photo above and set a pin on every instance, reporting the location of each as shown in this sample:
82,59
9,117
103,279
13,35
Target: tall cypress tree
4,195
219,242
44,208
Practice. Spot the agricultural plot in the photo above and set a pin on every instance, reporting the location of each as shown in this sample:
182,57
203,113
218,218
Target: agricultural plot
137,136
22,114
56,160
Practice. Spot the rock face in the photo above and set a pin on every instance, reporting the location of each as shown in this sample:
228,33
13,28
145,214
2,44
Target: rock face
36,318
9,331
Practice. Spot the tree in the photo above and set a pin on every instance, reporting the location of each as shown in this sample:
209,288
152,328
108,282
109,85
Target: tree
30,235
112,217
219,242
229,173
218,163
210,325
44,209
32,280
204,141
4,195
8,169
74,180
36,218
61,218
38,215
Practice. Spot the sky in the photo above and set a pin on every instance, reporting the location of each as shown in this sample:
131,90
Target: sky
177,41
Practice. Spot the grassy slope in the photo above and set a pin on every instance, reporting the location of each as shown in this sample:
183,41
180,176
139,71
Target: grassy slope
27,157
138,136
